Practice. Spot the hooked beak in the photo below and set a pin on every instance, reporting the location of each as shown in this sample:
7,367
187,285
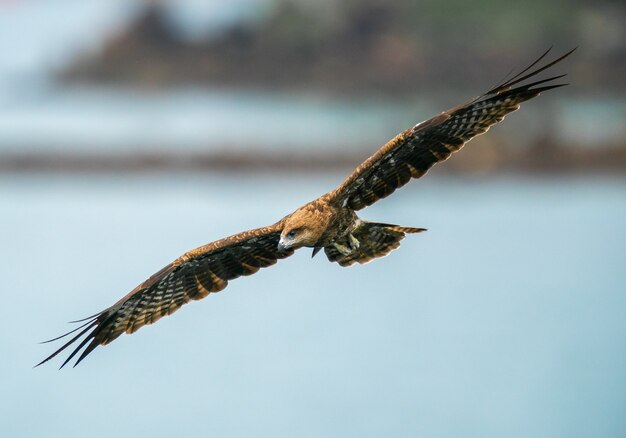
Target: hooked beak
281,246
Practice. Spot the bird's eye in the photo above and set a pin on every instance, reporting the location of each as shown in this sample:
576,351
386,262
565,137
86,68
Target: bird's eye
291,234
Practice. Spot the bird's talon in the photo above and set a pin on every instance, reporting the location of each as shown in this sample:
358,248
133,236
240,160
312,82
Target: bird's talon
354,243
342,249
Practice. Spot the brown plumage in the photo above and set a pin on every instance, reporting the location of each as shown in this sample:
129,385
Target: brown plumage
329,222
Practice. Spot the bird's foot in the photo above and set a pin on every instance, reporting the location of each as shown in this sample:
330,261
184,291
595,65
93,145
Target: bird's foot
342,249
354,243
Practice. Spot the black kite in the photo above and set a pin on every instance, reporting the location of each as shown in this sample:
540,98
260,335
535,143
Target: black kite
329,222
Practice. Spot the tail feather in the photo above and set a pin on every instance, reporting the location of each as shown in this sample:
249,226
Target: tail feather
369,241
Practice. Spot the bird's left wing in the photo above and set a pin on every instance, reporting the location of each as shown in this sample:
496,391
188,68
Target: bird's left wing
192,276
411,153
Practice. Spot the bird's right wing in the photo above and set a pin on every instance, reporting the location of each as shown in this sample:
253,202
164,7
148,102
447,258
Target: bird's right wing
192,276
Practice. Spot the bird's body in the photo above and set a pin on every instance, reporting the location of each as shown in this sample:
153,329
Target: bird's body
329,222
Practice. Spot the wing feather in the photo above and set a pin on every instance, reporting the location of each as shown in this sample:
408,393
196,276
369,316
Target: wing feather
192,276
413,152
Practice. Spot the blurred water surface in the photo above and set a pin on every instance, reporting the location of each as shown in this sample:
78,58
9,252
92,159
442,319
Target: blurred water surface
505,319
102,120
108,121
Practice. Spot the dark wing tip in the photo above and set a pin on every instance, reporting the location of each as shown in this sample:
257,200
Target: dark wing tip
523,75
94,324
86,352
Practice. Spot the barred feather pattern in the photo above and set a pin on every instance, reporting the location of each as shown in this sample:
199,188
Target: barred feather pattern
375,240
193,276
413,152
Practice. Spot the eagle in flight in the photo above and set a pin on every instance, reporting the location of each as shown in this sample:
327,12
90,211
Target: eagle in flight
329,222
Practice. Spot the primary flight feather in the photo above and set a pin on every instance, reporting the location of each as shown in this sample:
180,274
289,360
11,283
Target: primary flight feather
328,223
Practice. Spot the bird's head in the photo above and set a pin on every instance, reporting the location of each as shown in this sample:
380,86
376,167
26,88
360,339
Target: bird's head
302,228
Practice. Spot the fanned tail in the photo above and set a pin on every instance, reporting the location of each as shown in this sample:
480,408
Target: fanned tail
369,241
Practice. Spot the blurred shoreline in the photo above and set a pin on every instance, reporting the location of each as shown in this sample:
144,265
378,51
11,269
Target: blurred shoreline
313,87
481,159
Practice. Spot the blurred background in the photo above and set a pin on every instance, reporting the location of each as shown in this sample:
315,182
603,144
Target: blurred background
131,132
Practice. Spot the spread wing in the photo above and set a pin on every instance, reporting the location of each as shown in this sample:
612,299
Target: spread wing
192,276
411,153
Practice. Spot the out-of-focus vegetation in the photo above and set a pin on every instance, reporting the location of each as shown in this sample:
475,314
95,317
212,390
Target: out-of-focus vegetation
371,46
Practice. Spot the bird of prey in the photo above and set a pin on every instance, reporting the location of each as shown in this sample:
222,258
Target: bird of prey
329,222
